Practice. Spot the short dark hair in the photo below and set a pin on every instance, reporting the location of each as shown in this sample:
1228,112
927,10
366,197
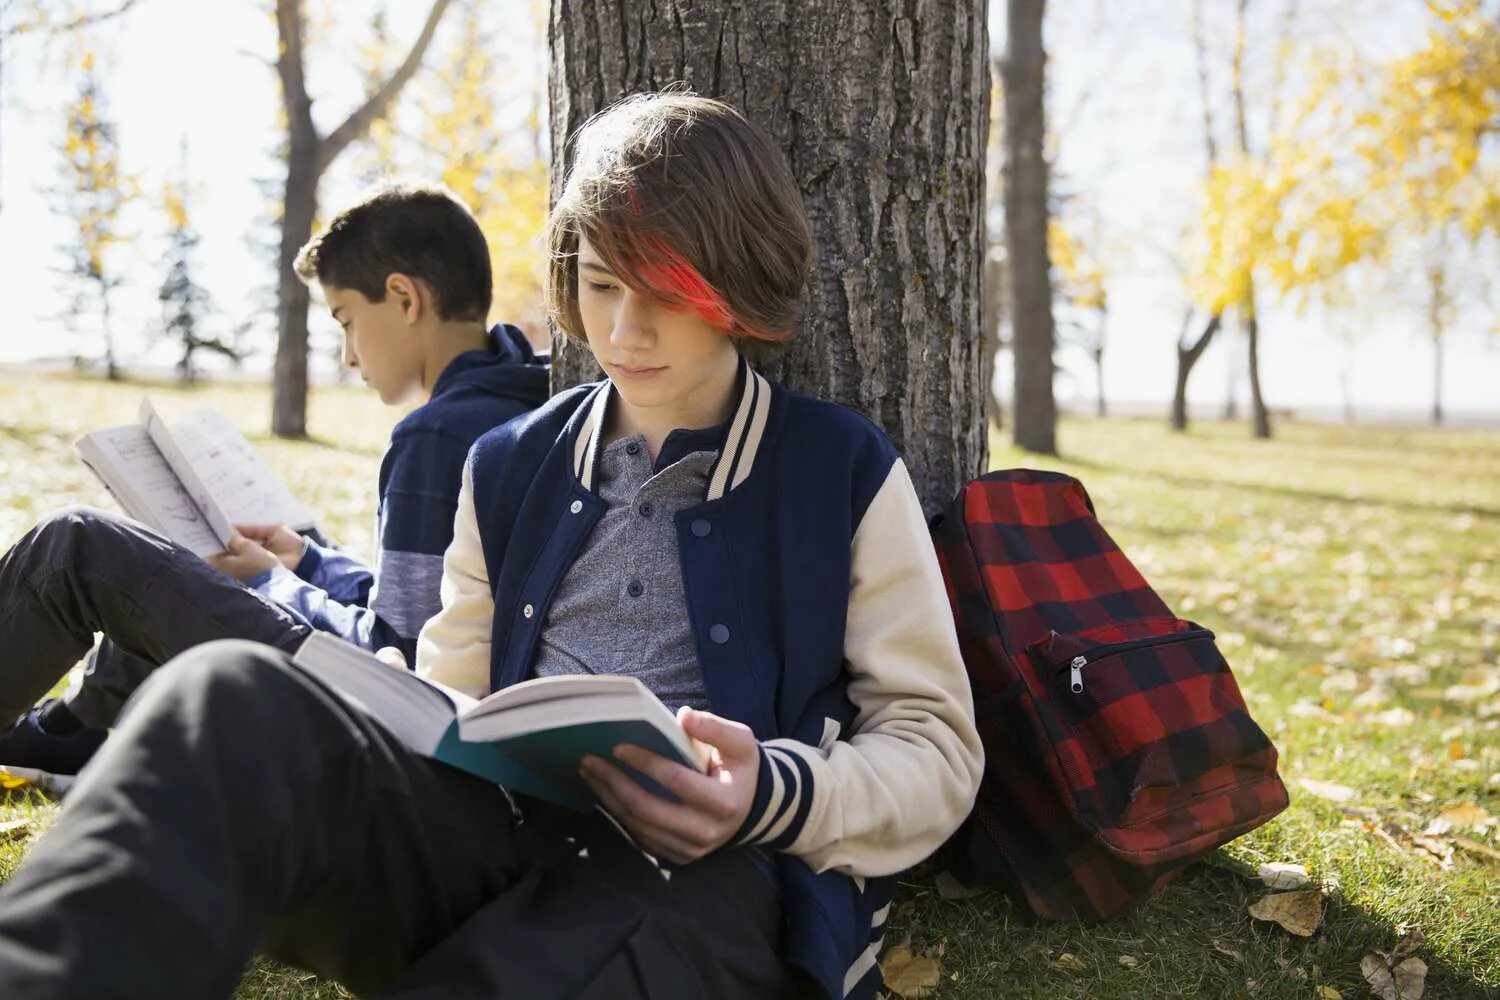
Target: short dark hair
420,230
685,199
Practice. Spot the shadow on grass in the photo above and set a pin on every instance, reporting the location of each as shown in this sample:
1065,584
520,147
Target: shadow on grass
1195,939
1287,492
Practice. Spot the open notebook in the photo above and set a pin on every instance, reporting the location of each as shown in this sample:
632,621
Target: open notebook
529,737
191,479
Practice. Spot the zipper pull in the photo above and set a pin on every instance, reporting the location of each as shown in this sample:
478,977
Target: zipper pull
1075,675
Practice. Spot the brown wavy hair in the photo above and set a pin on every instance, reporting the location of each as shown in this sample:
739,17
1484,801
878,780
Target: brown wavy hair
687,201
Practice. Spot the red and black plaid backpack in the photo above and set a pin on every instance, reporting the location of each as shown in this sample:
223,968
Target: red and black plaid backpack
1117,744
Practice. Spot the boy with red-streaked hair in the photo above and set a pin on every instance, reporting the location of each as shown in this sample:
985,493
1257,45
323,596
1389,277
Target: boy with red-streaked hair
757,558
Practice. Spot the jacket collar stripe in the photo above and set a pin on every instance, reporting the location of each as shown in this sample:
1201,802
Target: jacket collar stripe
586,450
720,477
754,432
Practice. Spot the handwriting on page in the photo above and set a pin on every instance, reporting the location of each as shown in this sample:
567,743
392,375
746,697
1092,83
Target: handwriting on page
233,472
132,450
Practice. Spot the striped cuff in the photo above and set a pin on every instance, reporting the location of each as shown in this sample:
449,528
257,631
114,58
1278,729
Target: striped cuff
783,799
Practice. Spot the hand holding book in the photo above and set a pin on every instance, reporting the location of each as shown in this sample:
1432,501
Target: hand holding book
709,808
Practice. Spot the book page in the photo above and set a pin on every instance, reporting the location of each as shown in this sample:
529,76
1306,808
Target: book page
135,472
245,488
183,466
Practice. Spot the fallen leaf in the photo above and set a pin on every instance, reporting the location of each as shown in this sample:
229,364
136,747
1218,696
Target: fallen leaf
1406,981
1330,790
15,829
1467,816
1281,875
1434,849
1394,717
1297,912
1224,949
1070,962
950,887
1456,750
1328,993
1129,961
10,782
907,975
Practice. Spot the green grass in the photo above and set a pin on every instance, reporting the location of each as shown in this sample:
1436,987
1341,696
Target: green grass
1347,571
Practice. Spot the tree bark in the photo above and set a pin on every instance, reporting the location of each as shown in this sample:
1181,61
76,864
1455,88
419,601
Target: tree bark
308,156
1187,357
1033,334
880,108
1260,416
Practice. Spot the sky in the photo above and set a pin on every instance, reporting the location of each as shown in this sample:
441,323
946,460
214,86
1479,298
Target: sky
1122,104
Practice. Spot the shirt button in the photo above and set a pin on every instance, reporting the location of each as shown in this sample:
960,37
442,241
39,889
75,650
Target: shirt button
576,506
636,588
701,528
632,448
528,611
719,634
646,508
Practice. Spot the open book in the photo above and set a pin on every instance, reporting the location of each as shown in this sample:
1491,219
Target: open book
529,737
191,480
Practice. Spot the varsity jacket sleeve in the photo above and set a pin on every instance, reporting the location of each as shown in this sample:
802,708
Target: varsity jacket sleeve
454,646
890,794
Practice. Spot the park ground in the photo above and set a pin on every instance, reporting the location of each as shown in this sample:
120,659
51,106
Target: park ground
1352,575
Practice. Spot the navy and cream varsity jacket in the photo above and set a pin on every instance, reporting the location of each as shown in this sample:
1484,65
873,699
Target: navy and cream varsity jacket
820,620
418,491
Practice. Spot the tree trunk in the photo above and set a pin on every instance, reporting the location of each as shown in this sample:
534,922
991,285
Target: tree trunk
1033,336
1187,357
1101,410
299,205
1258,412
1435,320
111,368
308,156
882,117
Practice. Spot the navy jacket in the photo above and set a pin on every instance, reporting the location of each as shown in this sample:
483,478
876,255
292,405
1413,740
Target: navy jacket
820,621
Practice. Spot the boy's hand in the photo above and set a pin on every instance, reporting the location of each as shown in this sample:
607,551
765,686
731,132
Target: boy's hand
277,539
245,559
391,657
713,805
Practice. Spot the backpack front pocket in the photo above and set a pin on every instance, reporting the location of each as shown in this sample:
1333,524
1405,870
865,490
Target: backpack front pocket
1150,717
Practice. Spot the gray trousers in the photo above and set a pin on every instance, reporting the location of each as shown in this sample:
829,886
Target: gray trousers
242,805
82,571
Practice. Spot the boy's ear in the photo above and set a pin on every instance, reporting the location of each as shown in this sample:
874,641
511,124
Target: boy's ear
409,294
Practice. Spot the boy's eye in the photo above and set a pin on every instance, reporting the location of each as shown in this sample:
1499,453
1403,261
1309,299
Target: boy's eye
598,287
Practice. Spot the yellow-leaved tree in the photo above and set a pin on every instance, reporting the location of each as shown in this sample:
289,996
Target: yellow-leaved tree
483,125
1075,246
92,192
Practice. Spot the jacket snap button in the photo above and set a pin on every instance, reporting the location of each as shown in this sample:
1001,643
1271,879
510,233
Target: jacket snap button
719,634
576,506
701,528
528,611
636,588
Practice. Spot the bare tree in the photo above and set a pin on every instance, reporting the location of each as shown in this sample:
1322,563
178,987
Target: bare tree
308,156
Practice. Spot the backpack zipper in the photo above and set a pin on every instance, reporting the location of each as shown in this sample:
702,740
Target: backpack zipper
1076,665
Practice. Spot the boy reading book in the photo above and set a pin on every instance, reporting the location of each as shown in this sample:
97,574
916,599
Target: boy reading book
758,559
406,273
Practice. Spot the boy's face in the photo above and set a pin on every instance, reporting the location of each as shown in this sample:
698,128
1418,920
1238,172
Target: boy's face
658,358
379,342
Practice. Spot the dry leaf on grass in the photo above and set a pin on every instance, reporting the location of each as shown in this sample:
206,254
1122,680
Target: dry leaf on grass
1281,875
1129,961
1330,790
907,975
15,829
1475,847
1434,849
950,887
10,782
1297,912
1406,980
1070,962
1466,815
1328,993
1224,949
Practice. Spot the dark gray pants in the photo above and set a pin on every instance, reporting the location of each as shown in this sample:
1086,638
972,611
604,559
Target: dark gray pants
240,804
82,571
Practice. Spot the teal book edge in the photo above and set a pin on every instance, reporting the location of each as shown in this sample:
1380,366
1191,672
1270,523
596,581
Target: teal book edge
545,764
